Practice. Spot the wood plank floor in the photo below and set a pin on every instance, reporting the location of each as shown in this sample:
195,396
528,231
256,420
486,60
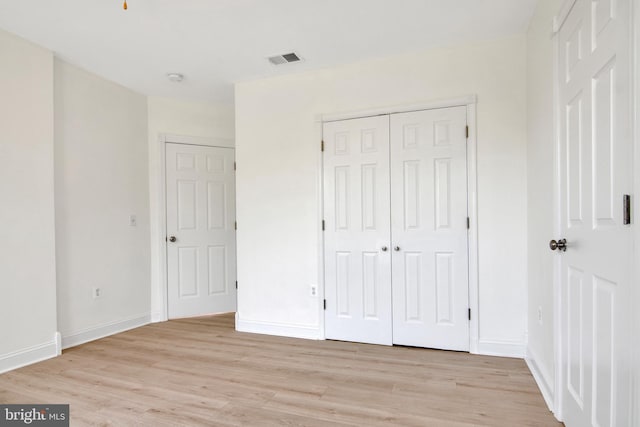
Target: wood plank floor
201,371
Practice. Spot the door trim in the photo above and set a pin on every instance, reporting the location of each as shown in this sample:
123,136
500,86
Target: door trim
159,300
469,102
635,131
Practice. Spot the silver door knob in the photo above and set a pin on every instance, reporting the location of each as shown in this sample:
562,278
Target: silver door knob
384,249
560,245
172,239
396,248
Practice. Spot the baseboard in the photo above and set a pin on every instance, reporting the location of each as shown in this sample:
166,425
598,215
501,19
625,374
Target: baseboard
542,379
278,329
501,348
157,316
104,330
28,356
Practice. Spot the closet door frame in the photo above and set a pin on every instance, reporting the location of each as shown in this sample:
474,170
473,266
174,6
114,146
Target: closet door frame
472,199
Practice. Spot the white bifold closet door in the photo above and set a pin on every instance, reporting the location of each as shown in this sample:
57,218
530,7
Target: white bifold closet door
357,225
395,189
429,228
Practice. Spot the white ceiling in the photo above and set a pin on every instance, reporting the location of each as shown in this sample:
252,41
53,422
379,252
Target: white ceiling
215,43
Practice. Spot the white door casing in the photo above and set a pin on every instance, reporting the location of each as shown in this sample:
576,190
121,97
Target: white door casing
429,228
595,159
201,262
357,230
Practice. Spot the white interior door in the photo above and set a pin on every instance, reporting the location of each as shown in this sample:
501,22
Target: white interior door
357,228
201,246
429,228
595,172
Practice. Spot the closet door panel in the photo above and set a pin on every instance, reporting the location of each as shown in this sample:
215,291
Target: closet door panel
357,230
429,228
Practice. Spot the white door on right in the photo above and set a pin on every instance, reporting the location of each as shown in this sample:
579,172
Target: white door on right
429,229
595,174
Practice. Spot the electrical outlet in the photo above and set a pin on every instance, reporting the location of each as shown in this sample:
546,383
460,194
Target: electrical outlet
133,220
540,315
97,293
313,291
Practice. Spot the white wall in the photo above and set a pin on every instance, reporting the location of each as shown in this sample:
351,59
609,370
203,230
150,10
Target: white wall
177,117
277,150
540,191
27,248
101,179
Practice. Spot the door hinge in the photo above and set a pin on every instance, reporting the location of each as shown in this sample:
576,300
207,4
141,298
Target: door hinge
468,223
321,145
626,209
467,132
324,304
235,225
236,284
234,166
469,314
323,225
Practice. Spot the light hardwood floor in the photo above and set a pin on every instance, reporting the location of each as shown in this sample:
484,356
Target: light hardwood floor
202,372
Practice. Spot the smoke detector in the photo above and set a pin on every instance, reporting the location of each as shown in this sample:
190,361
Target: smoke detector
175,77
285,58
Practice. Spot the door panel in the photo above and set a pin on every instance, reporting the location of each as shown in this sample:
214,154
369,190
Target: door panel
357,271
429,229
595,164
201,268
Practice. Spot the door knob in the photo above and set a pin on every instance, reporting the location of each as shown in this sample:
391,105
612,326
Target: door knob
384,249
560,245
397,248
172,239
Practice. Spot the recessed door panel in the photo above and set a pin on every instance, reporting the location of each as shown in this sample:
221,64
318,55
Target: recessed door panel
217,270
603,97
575,161
188,268
216,205
411,287
370,282
445,292
201,268
186,205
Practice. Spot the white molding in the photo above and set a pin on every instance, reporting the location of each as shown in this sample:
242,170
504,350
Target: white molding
320,189
104,330
542,378
279,329
198,140
557,228
160,312
562,15
635,129
472,233
406,108
27,356
515,349
58,340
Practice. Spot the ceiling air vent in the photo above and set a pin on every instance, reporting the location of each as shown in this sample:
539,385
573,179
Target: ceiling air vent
284,59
